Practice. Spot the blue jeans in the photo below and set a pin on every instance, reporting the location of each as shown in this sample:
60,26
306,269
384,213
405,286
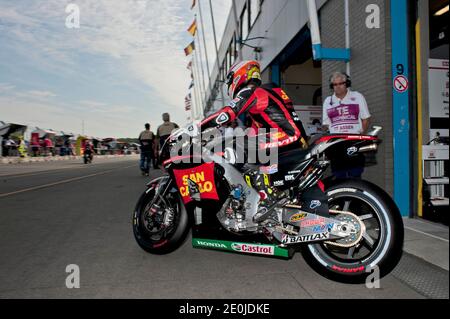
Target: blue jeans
145,161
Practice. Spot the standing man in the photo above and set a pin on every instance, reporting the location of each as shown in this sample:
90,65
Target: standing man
147,141
346,112
163,132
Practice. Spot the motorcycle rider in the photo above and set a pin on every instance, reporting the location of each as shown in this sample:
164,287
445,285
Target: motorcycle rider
268,107
89,150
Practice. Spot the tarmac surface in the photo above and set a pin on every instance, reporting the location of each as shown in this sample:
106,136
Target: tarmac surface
56,214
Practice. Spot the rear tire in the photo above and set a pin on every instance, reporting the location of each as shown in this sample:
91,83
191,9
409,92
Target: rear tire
174,237
384,251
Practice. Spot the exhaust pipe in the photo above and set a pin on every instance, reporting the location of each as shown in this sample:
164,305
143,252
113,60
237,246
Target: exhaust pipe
368,148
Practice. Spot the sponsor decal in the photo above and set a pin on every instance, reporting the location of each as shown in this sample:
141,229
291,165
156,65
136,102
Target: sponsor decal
303,239
312,222
322,228
272,169
240,247
348,270
235,102
352,150
279,143
315,203
211,244
203,176
297,217
253,249
278,183
294,172
289,177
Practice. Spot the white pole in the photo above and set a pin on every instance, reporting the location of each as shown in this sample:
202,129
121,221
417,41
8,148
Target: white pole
237,29
217,51
196,89
314,21
200,64
204,45
199,67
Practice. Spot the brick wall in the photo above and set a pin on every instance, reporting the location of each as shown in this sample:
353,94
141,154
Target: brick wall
370,71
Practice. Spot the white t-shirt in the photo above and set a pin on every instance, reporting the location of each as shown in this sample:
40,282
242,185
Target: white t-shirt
345,115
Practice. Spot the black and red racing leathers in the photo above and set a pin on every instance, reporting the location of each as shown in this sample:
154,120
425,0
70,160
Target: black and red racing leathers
269,107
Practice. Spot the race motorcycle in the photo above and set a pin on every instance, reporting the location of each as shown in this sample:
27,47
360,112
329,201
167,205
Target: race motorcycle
362,233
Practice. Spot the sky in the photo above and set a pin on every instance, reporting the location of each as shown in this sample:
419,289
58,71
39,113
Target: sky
123,67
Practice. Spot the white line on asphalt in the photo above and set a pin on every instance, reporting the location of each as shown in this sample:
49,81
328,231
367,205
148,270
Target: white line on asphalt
62,182
421,232
33,173
56,170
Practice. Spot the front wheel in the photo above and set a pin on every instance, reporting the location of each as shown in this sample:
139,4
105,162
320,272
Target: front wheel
380,248
160,224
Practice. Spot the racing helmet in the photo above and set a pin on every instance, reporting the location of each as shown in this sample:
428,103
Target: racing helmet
241,74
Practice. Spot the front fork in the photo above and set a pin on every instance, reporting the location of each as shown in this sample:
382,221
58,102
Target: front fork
161,186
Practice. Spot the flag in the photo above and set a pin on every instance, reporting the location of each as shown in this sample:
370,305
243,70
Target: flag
193,28
189,67
193,4
187,102
191,47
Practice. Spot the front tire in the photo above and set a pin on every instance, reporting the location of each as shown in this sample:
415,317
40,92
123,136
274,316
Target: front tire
380,249
161,241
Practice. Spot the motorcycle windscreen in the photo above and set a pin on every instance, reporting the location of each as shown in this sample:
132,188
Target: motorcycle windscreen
203,176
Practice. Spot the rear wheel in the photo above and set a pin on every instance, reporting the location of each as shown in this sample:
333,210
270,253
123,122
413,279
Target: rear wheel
380,247
160,225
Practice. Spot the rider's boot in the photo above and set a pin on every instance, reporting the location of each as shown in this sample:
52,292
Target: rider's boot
270,196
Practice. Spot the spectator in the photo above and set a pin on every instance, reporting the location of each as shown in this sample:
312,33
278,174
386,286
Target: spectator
163,132
22,148
346,112
147,141
48,146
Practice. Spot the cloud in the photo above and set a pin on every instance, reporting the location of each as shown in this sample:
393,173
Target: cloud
145,35
140,41
41,94
6,87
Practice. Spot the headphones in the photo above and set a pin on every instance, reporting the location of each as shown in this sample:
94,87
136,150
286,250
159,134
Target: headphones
348,81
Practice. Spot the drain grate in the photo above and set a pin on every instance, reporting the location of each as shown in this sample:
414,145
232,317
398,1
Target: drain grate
427,279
